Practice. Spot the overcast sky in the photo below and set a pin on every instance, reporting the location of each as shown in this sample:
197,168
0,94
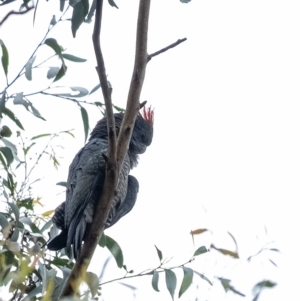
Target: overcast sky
225,154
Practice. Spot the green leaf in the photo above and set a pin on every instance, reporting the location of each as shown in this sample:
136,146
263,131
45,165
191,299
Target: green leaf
203,277
80,10
12,116
6,151
112,3
12,147
226,252
187,280
155,279
6,2
40,136
159,253
26,203
228,287
64,184
54,45
73,58
2,102
62,71
52,72
115,250
265,283
92,281
91,12
28,68
3,222
62,5
95,89
171,282
201,250
14,209
82,92
85,119
5,57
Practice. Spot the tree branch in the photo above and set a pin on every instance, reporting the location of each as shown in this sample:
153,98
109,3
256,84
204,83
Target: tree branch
13,12
117,150
150,56
137,80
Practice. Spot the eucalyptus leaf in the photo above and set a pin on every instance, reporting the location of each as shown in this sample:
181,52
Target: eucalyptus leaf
171,282
85,120
52,72
80,10
115,250
6,151
12,116
73,58
14,209
155,279
159,253
92,281
28,68
186,281
5,57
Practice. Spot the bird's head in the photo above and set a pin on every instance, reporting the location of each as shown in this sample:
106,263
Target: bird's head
142,132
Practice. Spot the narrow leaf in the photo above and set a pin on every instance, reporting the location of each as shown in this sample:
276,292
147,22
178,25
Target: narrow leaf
112,3
171,282
201,250
91,12
95,89
5,57
155,279
115,250
198,231
6,151
226,252
92,281
64,184
80,10
52,72
40,136
187,280
62,71
3,222
28,68
73,58
2,102
85,120
14,209
203,277
159,253
12,116
54,45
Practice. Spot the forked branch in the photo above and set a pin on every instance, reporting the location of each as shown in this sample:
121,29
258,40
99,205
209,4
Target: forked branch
117,150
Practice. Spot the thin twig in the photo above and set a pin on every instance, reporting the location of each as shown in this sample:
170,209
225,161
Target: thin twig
150,56
13,12
38,46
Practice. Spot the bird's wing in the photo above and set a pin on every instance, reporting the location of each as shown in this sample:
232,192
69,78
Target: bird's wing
84,187
122,208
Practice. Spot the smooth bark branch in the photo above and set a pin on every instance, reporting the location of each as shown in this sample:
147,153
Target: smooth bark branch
13,12
150,56
116,152
102,209
137,80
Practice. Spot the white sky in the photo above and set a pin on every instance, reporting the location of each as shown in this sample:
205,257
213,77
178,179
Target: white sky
225,155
